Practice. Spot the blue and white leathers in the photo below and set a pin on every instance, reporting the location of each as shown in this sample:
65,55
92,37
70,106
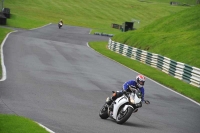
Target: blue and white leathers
132,82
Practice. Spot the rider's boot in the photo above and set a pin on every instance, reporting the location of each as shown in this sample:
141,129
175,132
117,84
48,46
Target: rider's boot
109,101
135,110
111,107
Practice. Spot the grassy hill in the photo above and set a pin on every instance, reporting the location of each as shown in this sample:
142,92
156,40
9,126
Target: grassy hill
175,36
96,14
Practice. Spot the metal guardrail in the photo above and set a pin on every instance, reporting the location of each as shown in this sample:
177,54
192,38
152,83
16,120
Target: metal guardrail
1,5
103,34
177,69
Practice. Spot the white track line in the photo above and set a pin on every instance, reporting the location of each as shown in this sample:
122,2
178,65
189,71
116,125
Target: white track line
2,58
150,79
50,131
4,69
41,26
3,78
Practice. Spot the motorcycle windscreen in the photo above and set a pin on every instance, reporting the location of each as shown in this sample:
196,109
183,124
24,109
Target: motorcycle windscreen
137,99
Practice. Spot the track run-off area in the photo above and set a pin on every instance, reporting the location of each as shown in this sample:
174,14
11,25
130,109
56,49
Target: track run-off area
55,79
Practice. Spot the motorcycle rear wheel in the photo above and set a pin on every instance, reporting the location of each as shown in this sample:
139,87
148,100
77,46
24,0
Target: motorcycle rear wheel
123,116
104,112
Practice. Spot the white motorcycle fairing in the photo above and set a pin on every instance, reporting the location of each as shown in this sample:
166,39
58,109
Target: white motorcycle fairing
122,108
118,103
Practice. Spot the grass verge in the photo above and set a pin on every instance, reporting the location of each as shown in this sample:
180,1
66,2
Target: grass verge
96,14
153,73
18,124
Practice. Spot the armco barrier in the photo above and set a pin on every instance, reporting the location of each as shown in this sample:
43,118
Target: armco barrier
6,12
177,69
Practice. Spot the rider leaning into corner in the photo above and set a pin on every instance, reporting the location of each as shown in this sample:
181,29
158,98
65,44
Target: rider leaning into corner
61,21
128,86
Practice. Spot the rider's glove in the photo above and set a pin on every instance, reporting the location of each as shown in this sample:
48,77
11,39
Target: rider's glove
147,101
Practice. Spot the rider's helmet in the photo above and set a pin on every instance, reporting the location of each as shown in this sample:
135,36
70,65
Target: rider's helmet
140,79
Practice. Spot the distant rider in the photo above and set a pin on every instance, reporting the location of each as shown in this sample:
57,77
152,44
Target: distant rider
61,21
128,87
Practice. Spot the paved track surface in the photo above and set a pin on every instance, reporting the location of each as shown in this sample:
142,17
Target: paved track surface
56,80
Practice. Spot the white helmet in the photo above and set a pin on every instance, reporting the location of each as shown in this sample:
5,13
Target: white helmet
140,79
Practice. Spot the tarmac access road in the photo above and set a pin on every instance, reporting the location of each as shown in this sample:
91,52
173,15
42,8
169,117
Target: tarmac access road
54,78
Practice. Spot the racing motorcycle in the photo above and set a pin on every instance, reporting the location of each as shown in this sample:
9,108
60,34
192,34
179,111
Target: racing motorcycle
123,106
60,25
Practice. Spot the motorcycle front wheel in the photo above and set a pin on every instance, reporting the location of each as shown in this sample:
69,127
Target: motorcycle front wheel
104,112
123,116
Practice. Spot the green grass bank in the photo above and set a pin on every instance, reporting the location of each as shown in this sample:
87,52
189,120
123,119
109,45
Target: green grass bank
175,36
96,14
18,124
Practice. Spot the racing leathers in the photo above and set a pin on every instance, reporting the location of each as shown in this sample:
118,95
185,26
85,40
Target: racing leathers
126,88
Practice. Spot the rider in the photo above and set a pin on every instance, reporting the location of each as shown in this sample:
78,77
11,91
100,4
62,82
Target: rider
61,21
128,87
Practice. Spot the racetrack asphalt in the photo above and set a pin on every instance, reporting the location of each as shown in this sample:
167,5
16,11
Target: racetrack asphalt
55,79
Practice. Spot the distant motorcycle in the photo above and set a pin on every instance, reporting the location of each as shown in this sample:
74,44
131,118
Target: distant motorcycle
60,25
123,106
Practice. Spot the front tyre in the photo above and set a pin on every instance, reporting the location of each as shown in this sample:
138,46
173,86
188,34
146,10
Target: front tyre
123,116
104,112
